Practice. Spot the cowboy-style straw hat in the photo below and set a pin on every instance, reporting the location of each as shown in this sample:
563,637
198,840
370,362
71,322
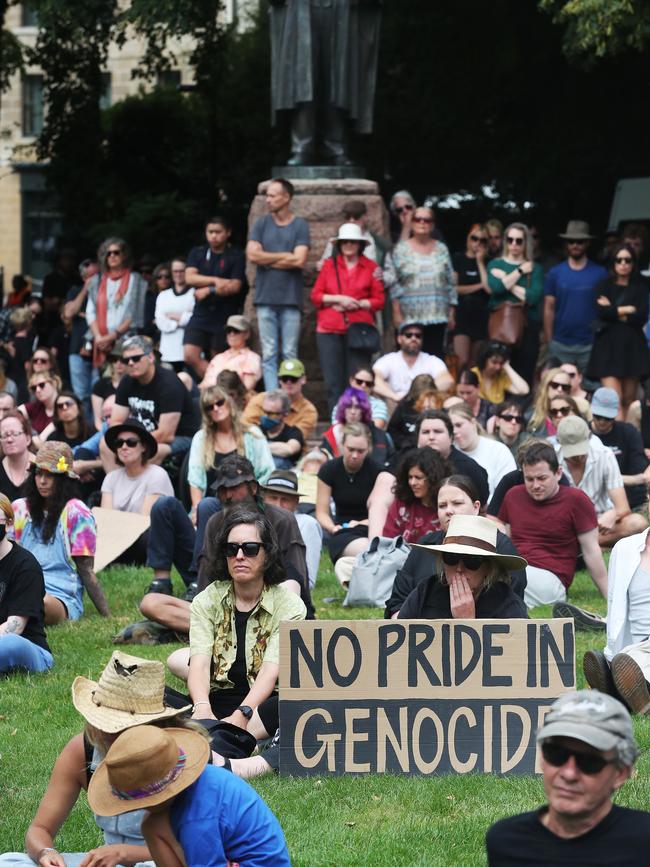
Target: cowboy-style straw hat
130,692
577,230
471,534
146,766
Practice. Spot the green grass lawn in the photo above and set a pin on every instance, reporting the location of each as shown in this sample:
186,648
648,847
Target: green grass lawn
376,820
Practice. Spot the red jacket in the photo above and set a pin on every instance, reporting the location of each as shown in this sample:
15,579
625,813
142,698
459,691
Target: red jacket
357,282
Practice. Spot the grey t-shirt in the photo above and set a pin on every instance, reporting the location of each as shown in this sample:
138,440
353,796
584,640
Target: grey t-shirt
272,285
128,494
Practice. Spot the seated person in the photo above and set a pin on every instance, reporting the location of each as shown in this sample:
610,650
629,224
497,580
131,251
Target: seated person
285,441
592,468
474,579
302,412
69,424
496,376
308,469
414,510
472,440
353,407
508,426
363,378
403,421
395,371
137,483
15,443
456,496
588,752
239,357
468,390
23,645
59,530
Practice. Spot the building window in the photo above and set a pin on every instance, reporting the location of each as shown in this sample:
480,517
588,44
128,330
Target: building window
29,15
32,105
169,78
106,98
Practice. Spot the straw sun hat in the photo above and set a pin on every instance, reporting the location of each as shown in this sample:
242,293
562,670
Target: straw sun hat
146,766
130,692
471,534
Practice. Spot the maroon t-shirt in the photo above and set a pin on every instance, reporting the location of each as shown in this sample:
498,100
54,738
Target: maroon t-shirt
546,533
37,415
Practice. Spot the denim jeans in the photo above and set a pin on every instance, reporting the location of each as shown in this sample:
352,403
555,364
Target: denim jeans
19,653
82,378
171,538
279,335
208,507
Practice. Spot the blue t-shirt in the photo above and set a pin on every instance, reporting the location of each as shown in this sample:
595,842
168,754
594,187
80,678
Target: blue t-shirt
274,285
220,817
575,300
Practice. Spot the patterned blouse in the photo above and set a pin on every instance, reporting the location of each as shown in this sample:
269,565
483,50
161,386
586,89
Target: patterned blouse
423,284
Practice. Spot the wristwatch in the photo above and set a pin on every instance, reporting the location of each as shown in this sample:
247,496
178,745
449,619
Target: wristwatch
246,710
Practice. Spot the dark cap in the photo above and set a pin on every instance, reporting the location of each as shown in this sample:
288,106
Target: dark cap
232,471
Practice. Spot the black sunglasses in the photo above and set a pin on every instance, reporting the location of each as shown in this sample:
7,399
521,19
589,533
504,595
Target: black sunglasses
518,242
560,411
623,260
289,378
422,219
231,330
367,382
564,386
588,763
249,549
507,416
132,359
601,417
131,442
65,404
217,404
417,335
478,240
473,562
404,208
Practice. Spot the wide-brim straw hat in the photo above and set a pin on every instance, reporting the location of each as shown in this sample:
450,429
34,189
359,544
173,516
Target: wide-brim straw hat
146,766
57,458
350,232
130,692
471,534
577,230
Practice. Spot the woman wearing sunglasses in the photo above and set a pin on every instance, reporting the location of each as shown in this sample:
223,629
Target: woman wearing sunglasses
509,426
555,383
235,626
619,355
471,580
517,279
420,277
136,484
69,425
471,278
40,411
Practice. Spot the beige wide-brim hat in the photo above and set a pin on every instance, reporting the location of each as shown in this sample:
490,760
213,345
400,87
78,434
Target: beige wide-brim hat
130,692
471,534
577,230
146,766
350,232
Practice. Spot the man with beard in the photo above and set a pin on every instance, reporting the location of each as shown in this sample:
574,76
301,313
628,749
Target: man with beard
395,371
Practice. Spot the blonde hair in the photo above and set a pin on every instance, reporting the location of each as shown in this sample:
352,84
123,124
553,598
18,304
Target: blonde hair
465,411
6,508
102,741
541,405
209,426
357,429
48,376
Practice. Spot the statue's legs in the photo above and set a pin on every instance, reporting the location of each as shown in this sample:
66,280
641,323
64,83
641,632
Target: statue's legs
303,135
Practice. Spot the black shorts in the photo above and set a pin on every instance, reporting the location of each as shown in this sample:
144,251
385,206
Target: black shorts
211,342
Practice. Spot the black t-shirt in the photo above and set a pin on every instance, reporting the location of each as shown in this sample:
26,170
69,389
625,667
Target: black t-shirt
7,487
621,839
211,313
349,490
237,673
104,387
79,324
624,440
22,588
287,433
476,303
165,393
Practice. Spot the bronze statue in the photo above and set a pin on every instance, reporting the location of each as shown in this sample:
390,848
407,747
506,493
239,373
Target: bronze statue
324,70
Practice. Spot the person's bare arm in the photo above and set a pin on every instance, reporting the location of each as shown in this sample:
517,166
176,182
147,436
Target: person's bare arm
285,450
14,625
265,682
444,381
167,424
119,415
620,502
165,849
89,580
323,514
296,259
147,503
518,384
593,558
382,388
206,285
198,685
72,308
549,317
257,255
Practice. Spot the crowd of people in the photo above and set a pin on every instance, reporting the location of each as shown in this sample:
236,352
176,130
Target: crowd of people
505,438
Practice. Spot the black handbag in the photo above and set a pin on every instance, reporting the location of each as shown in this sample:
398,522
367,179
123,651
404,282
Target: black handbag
361,336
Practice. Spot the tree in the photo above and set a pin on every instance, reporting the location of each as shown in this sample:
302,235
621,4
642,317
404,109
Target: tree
601,28
11,53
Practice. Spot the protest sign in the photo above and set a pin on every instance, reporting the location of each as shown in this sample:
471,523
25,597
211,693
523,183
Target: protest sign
419,697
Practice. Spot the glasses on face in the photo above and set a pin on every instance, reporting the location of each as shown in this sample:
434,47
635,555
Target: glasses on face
422,220
130,442
289,378
587,763
65,404
623,260
273,413
364,383
412,335
403,208
39,359
11,434
217,404
561,386
560,411
477,239
113,253
248,549
132,359
577,243
518,242
472,562
508,416
232,330
39,385
163,277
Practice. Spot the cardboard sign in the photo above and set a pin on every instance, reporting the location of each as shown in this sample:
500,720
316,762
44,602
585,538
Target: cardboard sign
419,696
116,531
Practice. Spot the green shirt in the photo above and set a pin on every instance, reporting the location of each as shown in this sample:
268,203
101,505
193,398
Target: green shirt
533,283
212,628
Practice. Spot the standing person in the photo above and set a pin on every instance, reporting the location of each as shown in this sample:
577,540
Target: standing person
570,298
278,245
239,357
395,371
473,294
494,229
52,523
619,355
402,207
174,308
515,278
217,272
355,211
346,293
23,645
115,298
588,753
420,277
80,360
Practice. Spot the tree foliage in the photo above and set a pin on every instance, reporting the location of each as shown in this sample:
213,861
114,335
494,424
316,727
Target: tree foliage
601,28
11,53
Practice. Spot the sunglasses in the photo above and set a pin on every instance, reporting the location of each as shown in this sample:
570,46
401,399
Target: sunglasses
132,359
216,405
40,360
507,416
422,220
404,208
65,404
587,763
39,385
563,386
601,418
473,562
131,442
518,242
113,252
367,383
416,335
248,549
623,260
477,239
560,412
289,378
576,243
164,277
232,330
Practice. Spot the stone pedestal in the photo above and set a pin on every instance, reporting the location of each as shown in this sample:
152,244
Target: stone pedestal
320,201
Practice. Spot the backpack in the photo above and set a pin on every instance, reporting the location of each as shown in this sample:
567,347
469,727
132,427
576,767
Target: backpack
371,582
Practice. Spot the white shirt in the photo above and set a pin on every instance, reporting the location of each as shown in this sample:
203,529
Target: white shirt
496,458
399,375
312,535
623,563
171,331
601,474
638,613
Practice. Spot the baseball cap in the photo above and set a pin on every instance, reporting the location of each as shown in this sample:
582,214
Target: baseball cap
596,719
410,324
292,367
605,402
573,436
239,323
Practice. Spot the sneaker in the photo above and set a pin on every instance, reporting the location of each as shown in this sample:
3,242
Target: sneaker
190,593
160,585
597,673
631,683
584,621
